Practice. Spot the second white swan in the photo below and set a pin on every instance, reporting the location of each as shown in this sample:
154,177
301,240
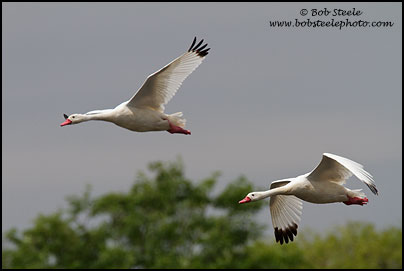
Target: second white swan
323,185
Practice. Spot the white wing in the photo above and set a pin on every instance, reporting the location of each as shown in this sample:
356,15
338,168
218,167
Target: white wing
285,214
337,169
161,86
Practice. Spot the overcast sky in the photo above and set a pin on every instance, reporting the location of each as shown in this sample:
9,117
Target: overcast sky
265,103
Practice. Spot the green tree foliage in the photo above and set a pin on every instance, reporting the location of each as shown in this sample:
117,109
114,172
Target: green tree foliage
168,221
356,245
164,221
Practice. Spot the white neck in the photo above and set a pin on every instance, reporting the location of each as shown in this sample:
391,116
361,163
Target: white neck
283,190
98,115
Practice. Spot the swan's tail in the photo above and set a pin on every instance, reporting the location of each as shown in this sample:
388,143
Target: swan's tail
356,197
358,193
177,119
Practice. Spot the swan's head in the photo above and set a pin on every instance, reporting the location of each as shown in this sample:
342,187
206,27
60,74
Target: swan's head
72,119
253,196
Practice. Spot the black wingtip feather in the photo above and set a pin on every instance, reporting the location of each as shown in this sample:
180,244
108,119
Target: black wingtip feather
199,44
276,235
373,189
204,52
193,43
284,235
203,47
66,116
290,234
198,50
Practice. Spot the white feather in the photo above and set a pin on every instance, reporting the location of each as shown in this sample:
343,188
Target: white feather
337,169
161,86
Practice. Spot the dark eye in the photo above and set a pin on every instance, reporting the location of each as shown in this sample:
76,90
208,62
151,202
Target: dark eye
252,195
73,117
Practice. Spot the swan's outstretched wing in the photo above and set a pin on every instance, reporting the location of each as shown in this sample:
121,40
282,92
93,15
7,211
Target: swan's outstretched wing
337,169
285,214
161,86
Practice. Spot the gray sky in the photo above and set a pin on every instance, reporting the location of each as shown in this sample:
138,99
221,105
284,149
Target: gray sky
266,102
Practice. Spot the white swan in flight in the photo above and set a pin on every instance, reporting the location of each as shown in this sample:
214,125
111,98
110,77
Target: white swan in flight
145,110
323,185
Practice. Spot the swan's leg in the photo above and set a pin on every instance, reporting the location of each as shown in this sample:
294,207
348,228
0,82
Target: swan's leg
356,200
177,130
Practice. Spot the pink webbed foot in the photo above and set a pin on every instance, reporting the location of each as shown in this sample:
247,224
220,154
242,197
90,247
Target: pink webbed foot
356,200
177,130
